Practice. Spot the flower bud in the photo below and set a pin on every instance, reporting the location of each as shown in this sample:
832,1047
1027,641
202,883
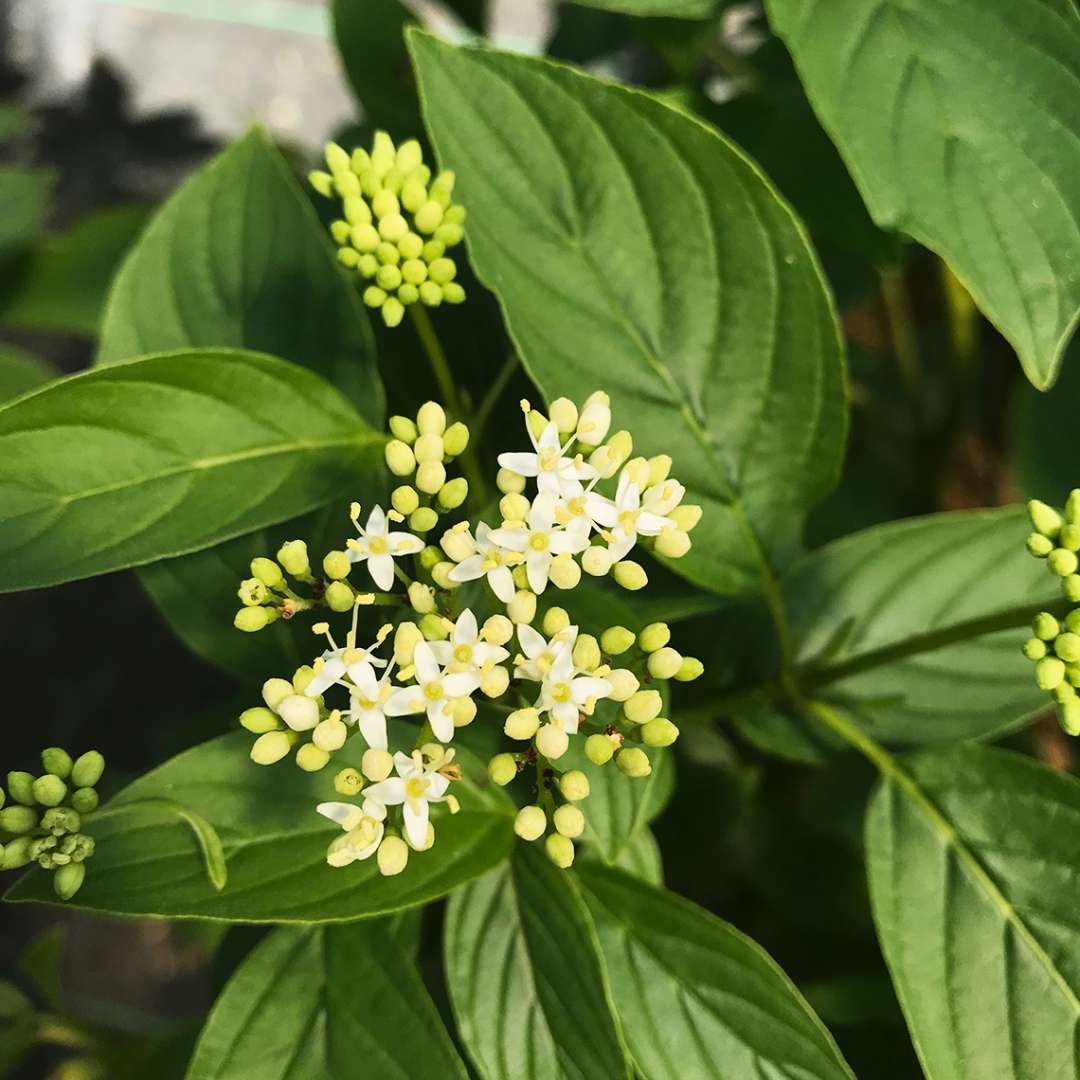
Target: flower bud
655,636
630,575
336,565
564,572
68,880
456,439
431,419
633,762
637,471
440,573
509,483
339,596
1069,717
624,684
1038,545
330,734
401,427
552,741
1070,537
16,853
615,640
404,499
348,782
293,556
392,856
643,706
685,517
569,821
457,544
463,711
311,758
301,713
435,627
56,761
502,768
565,415
253,619
522,607
272,747
595,419
495,681
274,691
1049,672
1062,562
60,820
302,677
598,749
522,724
586,653
514,507
664,663
659,732
1045,626
268,572
253,592
429,839
85,800
556,620
574,786
430,476
423,520
430,294
672,543
18,819
596,560
422,598
497,630
1045,519
259,720
1034,648
690,669
406,638
49,790
559,848
428,448
21,787
400,459
530,823
376,765
453,493
1067,646
87,769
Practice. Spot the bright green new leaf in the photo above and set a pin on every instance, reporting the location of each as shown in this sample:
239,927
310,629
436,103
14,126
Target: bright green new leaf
132,462
148,862
528,989
636,250
696,998
973,878
334,1001
960,122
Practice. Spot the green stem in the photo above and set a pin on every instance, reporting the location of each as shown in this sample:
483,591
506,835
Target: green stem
440,366
901,327
495,391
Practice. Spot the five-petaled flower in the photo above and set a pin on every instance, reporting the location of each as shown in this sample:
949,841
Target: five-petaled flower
466,650
379,547
625,517
564,694
414,788
540,540
433,693
555,473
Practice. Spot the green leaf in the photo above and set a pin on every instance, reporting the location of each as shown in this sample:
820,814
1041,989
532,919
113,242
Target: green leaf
916,626
21,371
149,863
636,250
166,454
326,1002
698,999
237,257
63,282
24,195
40,962
641,857
973,878
672,9
925,100
529,992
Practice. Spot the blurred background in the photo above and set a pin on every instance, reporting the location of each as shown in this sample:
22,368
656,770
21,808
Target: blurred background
106,106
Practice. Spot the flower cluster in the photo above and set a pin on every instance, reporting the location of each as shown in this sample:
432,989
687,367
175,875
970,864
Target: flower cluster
1055,648
398,224
44,822
540,672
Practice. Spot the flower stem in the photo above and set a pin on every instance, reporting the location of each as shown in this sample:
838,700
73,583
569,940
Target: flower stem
495,390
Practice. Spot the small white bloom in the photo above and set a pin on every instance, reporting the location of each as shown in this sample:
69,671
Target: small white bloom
379,548
548,464
466,650
662,498
335,664
625,517
363,831
564,694
433,693
368,698
540,652
491,560
541,540
414,789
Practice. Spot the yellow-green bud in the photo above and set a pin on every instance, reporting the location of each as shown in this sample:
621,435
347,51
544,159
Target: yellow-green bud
385,202
330,734
659,467
431,419
357,212
457,544
406,638
630,575
423,519
569,821
87,769
596,560
336,158
428,448
401,427
1045,626
300,712
430,294
60,820
685,517
522,607
509,483
1049,672
655,636
336,565
429,217
464,711
615,640
522,724
430,477
274,691
400,459
586,654
574,786
565,415
435,627
259,720
341,230
1069,537
599,748
1069,717
530,823
84,799
1067,646
564,572
56,761
449,233
311,758
1070,586
404,499
659,732
690,669
393,228
514,507
440,574
252,592
253,619
456,439
393,311
497,630
21,787
455,214
1063,562
495,682
1064,691
1045,519
68,880
664,663
536,421
430,556
1034,648
502,768
409,156
633,762
556,620
520,576
268,572
559,848
552,741
302,677
453,493
16,853
348,782
422,598
18,819
672,543
642,706
392,856
294,557
339,596
321,182
413,196
49,790
272,747
1072,507
365,238
376,765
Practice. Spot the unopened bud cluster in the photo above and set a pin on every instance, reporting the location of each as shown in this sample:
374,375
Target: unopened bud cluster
398,224
44,820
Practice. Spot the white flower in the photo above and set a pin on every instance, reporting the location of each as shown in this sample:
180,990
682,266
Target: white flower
489,559
379,547
363,830
466,650
553,471
540,652
662,498
335,663
541,540
369,698
563,694
414,788
625,517
433,692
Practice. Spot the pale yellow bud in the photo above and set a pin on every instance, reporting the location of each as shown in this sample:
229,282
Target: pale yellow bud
422,598
271,747
336,565
430,476
522,607
431,419
685,516
630,575
495,681
299,712
406,638
595,419
596,561
514,507
330,734
376,764
401,427
633,762
497,630
586,653
659,732
672,543
453,493
301,677
530,823
428,448
399,458
552,741
294,557
440,574
392,856
642,706
502,768
664,663
638,472
274,691
624,684
458,545
574,786
556,620
522,724
464,711
311,758
560,850
509,483
456,439
404,499
564,572
615,640
659,467
564,412
569,821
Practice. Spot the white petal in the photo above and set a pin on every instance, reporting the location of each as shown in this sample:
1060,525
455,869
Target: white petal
443,651
483,653
652,524
403,543
347,815
373,728
549,438
603,511
405,702
461,684
437,785
328,674
406,764
537,566
465,629
427,667
531,641
376,522
381,568
468,570
389,792
374,809
566,715
501,580
415,813
621,544
568,541
542,512
441,721
366,853
589,687
511,539
363,677
522,464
